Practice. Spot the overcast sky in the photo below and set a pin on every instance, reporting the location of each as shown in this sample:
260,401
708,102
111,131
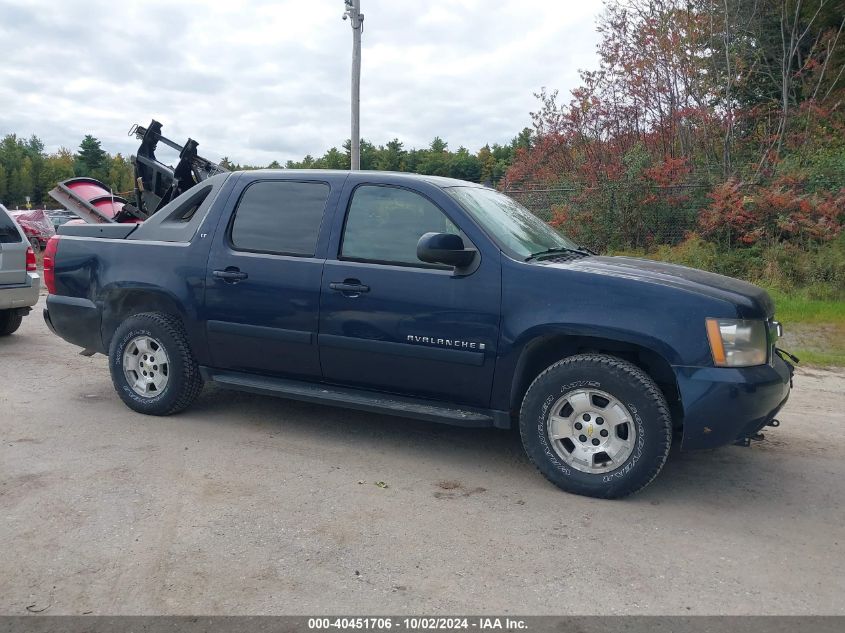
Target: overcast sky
262,80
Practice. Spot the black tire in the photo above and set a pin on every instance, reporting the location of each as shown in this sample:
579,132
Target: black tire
184,382
36,244
10,321
630,386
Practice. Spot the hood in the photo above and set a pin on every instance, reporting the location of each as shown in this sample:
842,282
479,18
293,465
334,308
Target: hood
741,293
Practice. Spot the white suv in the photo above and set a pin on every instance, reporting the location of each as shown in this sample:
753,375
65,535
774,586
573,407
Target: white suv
19,280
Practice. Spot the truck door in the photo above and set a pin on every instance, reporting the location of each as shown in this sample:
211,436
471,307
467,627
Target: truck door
393,323
263,278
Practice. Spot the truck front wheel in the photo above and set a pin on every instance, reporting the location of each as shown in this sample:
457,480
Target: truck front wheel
596,425
151,364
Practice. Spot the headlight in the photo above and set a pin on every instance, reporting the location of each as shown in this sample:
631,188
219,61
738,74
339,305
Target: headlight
737,343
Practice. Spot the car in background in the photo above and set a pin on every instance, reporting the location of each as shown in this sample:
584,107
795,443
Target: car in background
19,280
61,216
36,225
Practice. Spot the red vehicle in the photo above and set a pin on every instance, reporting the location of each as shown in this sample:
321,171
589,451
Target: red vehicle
36,225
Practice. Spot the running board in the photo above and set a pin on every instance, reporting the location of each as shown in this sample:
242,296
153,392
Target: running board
359,399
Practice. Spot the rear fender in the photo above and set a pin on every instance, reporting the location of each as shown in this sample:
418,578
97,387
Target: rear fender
120,303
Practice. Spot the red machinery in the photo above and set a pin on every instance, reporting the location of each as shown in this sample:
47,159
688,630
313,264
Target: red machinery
91,200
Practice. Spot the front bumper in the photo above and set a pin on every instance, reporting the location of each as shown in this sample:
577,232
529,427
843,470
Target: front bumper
722,405
22,296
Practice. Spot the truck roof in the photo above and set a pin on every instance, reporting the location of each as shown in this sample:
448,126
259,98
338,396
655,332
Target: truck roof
365,174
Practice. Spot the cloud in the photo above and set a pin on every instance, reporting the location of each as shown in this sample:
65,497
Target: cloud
265,80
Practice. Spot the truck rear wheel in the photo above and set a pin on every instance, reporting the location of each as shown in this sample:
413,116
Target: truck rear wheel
596,425
10,321
151,364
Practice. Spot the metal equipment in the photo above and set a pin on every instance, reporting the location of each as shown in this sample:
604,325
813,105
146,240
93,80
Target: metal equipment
156,184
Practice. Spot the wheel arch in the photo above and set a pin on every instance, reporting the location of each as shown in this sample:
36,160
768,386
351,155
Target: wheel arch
121,303
546,348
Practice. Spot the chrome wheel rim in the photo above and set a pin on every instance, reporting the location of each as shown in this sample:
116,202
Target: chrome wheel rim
146,366
591,431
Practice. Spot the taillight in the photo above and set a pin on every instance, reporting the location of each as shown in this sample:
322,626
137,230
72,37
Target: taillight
48,263
31,264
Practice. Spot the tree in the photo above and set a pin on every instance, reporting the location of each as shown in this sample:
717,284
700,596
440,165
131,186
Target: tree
465,166
391,156
57,167
438,145
120,175
34,145
435,160
689,96
25,180
487,163
92,160
16,193
3,185
335,159
523,139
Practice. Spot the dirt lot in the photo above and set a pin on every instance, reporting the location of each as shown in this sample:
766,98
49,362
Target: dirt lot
249,504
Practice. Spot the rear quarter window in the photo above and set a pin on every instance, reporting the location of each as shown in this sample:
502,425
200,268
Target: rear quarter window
9,232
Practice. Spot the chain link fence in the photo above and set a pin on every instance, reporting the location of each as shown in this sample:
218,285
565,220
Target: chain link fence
618,217
639,215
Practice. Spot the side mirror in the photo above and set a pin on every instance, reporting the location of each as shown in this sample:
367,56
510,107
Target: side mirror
444,248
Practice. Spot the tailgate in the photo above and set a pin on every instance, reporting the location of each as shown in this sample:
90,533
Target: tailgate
12,252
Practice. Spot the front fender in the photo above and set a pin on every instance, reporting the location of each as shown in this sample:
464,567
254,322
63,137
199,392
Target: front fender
600,332
544,345
542,302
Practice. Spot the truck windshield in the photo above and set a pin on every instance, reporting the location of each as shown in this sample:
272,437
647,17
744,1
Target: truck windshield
518,231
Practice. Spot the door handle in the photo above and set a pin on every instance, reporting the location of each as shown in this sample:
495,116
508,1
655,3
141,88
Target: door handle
230,275
349,287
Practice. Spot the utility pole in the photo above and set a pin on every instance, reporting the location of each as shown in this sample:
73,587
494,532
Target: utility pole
356,20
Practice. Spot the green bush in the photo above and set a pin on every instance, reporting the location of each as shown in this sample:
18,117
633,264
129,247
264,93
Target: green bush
694,252
817,272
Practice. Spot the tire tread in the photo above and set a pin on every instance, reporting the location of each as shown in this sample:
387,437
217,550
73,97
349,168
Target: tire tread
9,322
193,383
650,389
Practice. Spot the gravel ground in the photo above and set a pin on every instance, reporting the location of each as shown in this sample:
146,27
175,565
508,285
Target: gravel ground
253,505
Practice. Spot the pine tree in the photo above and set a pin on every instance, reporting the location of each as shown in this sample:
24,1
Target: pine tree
92,159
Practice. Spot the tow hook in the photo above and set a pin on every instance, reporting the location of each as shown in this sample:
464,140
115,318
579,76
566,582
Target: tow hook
746,441
775,422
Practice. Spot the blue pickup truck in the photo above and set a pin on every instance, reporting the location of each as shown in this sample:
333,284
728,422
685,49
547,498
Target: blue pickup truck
422,297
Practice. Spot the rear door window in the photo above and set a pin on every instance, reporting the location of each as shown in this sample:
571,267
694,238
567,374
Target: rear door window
280,216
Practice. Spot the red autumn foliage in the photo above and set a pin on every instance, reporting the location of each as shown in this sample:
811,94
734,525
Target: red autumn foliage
684,127
779,212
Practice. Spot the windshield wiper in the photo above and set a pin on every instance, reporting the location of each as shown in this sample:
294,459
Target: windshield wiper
559,249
